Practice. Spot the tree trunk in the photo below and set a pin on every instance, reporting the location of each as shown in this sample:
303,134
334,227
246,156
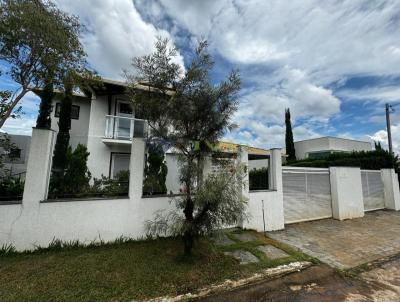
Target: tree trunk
188,211
14,103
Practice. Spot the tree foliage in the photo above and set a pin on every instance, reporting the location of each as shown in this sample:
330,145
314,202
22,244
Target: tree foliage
75,176
46,96
6,103
290,151
37,38
189,113
64,125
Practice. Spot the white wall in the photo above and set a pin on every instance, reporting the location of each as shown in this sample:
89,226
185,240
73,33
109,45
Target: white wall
34,223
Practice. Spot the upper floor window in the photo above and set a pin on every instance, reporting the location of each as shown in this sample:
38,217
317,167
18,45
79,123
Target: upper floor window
74,111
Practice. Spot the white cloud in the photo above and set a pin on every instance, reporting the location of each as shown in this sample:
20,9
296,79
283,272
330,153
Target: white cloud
23,125
381,136
116,33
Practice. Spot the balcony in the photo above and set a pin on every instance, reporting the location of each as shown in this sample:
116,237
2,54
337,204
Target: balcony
121,130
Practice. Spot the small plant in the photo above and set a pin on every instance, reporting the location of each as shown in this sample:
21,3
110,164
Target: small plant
7,249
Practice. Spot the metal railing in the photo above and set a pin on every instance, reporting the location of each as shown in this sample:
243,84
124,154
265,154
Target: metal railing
125,128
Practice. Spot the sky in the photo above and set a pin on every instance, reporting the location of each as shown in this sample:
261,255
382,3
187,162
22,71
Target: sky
333,63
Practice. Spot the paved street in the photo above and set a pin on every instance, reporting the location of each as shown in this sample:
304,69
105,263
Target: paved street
349,243
322,283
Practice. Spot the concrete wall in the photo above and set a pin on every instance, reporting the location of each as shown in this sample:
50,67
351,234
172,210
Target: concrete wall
35,223
303,148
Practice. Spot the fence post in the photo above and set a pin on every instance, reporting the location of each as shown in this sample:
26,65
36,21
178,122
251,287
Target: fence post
346,190
275,171
136,168
391,189
39,166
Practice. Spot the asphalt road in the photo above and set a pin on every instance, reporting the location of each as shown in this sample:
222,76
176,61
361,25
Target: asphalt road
380,282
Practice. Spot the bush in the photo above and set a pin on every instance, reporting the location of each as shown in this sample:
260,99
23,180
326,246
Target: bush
155,171
11,188
119,186
258,179
368,160
76,176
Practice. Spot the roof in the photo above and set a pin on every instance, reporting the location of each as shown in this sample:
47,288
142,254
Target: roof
339,138
229,147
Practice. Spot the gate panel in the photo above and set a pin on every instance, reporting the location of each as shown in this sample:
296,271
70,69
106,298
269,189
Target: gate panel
306,194
372,187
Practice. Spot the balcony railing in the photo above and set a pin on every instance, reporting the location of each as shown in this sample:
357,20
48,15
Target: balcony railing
124,128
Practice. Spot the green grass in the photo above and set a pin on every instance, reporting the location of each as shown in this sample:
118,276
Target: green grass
122,271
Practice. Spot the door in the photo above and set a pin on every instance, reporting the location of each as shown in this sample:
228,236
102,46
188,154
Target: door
124,120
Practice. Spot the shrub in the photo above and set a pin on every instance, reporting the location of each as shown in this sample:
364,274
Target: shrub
369,160
258,179
11,188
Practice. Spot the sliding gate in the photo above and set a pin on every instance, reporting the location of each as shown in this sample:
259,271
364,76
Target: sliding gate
372,187
306,194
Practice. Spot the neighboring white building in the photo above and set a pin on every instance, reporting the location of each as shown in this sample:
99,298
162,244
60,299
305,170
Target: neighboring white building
322,146
15,162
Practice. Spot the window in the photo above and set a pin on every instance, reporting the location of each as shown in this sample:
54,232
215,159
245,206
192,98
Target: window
74,111
119,162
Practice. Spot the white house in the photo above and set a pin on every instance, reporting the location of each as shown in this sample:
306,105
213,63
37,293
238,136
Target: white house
105,122
322,146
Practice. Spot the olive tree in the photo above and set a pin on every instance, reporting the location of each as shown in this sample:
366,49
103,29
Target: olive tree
37,39
190,114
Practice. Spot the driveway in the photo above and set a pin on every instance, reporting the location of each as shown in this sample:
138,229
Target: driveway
349,243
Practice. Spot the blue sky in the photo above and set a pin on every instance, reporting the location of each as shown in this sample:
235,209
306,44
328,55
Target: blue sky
333,63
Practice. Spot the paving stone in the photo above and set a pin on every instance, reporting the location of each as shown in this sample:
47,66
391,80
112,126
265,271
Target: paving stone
223,240
349,243
244,257
272,252
245,237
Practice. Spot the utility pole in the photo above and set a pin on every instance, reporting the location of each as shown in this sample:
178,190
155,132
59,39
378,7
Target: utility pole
389,132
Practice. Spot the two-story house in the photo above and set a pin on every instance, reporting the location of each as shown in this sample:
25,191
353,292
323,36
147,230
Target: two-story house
104,120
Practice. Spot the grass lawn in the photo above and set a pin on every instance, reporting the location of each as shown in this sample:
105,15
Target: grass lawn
125,271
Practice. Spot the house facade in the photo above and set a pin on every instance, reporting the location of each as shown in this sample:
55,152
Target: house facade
322,146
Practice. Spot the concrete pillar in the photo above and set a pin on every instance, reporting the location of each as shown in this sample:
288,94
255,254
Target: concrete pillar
275,170
274,209
346,190
39,166
137,168
391,189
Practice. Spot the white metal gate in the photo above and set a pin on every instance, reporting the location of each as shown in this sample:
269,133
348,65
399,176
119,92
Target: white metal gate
372,187
306,194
